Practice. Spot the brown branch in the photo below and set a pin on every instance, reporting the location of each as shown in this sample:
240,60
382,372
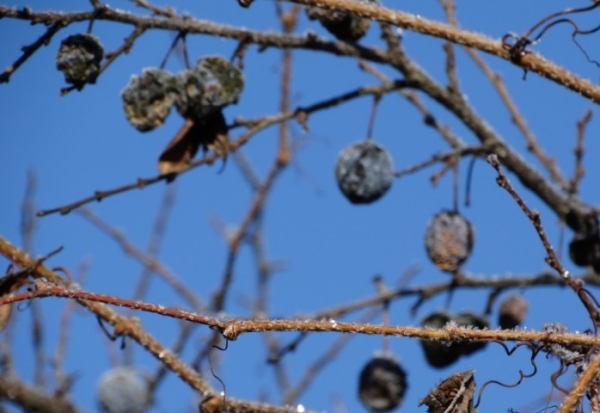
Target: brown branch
529,61
145,259
255,126
32,399
517,118
124,326
29,50
552,259
231,329
579,152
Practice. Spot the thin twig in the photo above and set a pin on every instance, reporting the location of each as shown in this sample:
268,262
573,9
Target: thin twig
519,120
147,260
29,50
551,258
257,126
579,152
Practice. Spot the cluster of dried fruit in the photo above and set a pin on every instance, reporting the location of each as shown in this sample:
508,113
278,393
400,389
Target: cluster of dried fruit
197,93
440,354
364,172
512,312
382,383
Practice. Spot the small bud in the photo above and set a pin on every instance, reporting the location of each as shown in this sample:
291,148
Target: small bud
449,240
382,383
79,58
513,311
364,172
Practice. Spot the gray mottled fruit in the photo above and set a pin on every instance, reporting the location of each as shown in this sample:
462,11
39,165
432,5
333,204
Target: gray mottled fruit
79,58
121,390
364,172
148,98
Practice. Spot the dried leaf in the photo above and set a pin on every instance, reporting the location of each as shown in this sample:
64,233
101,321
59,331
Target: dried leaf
453,395
210,132
10,283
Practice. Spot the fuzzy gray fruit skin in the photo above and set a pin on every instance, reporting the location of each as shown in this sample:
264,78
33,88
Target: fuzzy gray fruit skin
148,98
79,58
121,390
382,383
364,172
211,85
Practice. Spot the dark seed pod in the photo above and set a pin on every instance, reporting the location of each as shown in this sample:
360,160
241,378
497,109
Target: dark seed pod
513,311
382,383
584,250
438,353
364,172
211,85
79,58
344,26
148,98
121,390
449,240
470,320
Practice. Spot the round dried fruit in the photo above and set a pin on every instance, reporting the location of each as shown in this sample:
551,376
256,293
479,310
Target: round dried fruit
468,319
364,172
438,353
211,85
148,98
382,383
449,240
121,390
79,58
513,311
344,26
584,250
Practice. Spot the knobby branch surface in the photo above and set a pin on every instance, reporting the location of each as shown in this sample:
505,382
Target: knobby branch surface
232,329
131,328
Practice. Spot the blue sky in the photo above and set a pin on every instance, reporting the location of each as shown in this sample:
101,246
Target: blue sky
331,249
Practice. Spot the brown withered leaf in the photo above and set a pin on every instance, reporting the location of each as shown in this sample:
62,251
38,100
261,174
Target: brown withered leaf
10,283
453,395
210,132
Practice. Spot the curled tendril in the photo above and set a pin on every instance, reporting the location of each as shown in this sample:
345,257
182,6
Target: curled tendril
535,350
517,45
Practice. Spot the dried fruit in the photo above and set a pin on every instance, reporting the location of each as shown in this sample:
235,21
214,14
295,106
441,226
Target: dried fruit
438,353
382,383
344,26
584,250
449,240
148,98
79,58
121,390
364,172
211,85
512,311
453,395
468,319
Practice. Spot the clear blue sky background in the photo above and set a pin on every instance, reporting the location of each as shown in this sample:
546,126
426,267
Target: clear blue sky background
81,142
